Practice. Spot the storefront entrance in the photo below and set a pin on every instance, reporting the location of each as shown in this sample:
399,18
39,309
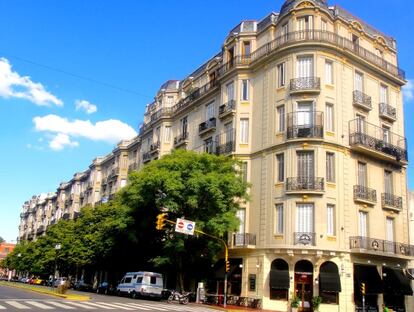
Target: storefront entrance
304,284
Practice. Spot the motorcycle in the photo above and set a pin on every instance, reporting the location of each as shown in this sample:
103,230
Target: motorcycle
179,297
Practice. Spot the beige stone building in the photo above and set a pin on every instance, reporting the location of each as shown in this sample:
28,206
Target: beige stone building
310,100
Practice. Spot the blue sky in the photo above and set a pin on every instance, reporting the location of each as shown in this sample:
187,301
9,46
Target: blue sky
54,122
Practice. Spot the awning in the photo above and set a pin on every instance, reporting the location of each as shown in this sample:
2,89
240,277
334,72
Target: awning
279,279
369,275
396,282
329,282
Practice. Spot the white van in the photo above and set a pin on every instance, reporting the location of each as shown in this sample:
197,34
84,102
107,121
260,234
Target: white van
145,284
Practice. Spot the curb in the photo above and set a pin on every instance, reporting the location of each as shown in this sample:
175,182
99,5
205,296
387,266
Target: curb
47,292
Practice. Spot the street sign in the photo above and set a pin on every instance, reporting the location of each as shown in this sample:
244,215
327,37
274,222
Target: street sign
185,226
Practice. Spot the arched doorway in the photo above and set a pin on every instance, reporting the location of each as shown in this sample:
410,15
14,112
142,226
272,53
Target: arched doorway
329,282
279,280
304,284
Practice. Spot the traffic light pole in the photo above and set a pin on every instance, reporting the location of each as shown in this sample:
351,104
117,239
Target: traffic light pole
160,225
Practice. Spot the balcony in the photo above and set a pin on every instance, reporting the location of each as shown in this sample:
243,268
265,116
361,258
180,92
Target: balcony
113,173
305,185
226,142
362,100
165,112
207,126
304,238
146,157
305,85
155,147
304,126
227,109
361,244
391,202
133,167
369,139
66,215
235,62
90,184
365,195
244,239
387,112
40,229
181,139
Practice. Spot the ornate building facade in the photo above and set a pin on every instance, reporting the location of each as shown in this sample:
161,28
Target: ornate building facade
309,99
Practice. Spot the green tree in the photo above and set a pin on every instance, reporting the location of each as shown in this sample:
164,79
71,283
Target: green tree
203,188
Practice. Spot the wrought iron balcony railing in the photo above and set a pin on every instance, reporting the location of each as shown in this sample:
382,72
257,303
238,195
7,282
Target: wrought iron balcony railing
154,147
146,156
164,112
391,201
362,133
227,108
226,142
387,111
305,84
365,194
207,125
181,138
362,100
305,184
381,246
304,238
244,239
304,125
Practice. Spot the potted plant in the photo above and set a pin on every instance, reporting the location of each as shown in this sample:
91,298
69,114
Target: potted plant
294,304
316,302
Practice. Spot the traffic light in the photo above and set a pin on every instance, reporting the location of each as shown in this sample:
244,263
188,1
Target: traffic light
363,288
161,221
227,266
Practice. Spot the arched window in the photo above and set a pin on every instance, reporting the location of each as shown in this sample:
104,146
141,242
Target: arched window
329,283
279,280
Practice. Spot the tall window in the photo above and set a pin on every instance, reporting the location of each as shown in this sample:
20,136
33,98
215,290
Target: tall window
243,171
246,48
281,75
305,166
284,34
280,167
359,81
329,72
279,219
304,218
244,130
362,174
329,116
383,94
330,222
386,134
281,118
330,167
158,134
324,25
245,90
360,123
184,125
363,219
230,91
167,134
209,110
208,144
305,23
390,229
304,67
241,215
388,185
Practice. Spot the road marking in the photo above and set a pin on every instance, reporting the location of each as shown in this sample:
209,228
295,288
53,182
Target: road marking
2,308
39,305
116,305
98,305
81,305
60,305
139,306
17,305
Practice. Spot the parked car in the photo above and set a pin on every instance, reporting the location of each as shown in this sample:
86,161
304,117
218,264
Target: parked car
141,284
39,281
82,285
106,288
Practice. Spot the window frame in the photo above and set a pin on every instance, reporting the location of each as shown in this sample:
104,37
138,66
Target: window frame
330,220
281,75
244,130
331,72
279,219
245,92
281,118
330,167
280,159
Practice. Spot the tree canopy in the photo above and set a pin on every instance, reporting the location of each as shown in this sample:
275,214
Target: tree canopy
121,234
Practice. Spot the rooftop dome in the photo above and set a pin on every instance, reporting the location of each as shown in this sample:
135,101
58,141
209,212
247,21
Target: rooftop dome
290,4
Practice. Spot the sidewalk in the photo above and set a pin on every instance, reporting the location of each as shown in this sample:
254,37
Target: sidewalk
46,291
233,308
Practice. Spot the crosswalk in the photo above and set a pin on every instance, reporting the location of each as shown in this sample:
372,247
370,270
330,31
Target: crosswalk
60,305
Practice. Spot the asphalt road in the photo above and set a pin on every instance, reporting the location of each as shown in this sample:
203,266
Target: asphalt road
12,299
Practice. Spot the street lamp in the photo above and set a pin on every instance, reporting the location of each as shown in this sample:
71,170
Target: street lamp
57,248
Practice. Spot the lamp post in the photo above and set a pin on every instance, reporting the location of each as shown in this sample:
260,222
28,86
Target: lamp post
57,248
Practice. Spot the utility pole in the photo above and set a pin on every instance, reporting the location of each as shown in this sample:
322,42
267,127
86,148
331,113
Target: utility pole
160,223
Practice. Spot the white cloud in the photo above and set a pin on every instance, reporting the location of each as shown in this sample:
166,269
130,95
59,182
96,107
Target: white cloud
111,131
61,140
408,90
88,107
12,85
